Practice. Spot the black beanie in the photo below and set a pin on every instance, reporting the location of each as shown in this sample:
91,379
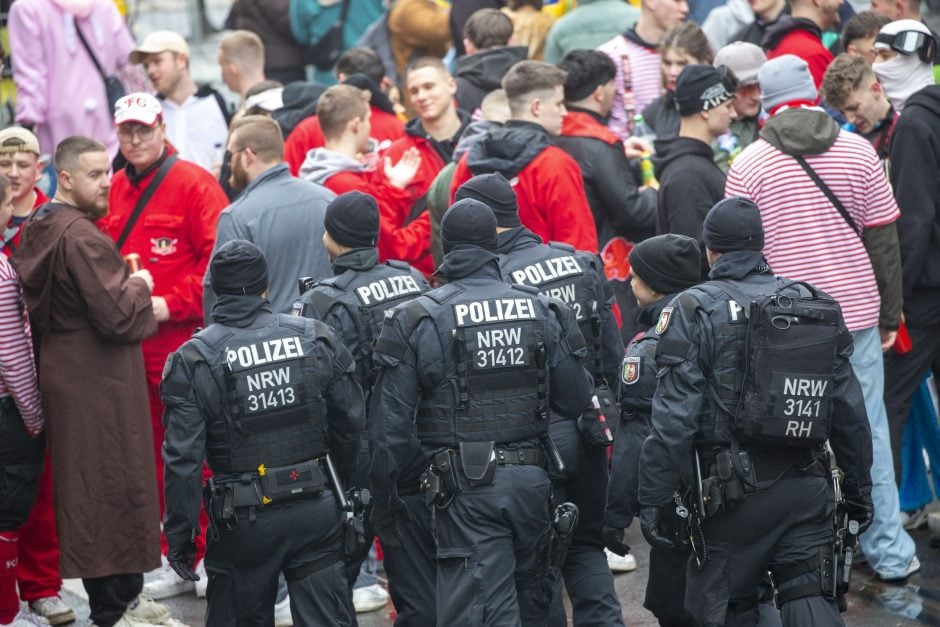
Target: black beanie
703,87
470,222
239,267
733,224
667,263
494,191
352,219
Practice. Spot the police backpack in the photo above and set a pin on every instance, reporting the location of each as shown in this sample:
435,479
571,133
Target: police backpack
791,345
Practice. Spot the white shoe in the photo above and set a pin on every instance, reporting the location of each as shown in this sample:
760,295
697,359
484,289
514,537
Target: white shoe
203,582
25,618
53,609
912,568
369,598
127,621
167,584
914,519
147,611
619,564
282,617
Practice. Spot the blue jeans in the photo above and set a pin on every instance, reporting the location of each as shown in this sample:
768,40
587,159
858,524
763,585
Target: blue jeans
887,546
922,433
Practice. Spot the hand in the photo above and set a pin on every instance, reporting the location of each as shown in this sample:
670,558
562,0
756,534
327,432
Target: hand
887,339
634,147
860,510
160,311
650,519
386,521
402,173
181,559
144,274
613,540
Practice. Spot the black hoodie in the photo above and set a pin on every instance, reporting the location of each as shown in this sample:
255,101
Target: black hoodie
508,150
690,183
480,73
915,177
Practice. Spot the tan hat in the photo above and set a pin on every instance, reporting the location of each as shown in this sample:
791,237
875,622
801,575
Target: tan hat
18,139
159,41
137,107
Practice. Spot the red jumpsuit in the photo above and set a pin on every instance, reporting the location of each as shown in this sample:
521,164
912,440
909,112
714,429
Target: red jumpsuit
174,236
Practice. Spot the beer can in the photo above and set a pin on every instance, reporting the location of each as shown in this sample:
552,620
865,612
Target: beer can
133,262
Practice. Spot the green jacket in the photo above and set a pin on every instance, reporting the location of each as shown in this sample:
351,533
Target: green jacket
592,23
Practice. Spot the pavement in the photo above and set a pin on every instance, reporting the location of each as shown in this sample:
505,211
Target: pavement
871,602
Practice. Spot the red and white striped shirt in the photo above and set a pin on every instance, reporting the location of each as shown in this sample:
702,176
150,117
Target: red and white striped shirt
805,236
646,79
17,368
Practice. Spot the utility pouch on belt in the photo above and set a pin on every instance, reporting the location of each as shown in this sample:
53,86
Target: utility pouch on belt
290,482
478,462
439,481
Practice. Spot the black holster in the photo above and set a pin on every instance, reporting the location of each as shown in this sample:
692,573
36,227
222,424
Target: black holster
478,462
439,481
564,522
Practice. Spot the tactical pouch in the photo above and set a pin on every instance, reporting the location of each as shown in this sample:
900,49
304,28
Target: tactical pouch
609,405
712,496
354,538
478,462
290,482
733,490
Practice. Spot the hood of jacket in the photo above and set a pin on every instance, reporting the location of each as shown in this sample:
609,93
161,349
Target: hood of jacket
320,164
668,150
300,101
927,98
785,25
486,68
509,149
801,131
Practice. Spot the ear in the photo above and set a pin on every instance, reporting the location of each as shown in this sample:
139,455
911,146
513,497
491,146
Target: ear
451,85
598,93
877,89
385,85
469,47
535,107
65,180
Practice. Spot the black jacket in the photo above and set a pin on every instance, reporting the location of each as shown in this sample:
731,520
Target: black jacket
915,177
480,73
662,116
690,183
753,33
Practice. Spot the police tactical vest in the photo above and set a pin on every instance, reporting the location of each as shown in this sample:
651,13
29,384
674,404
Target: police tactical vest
271,382
367,295
495,386
559,271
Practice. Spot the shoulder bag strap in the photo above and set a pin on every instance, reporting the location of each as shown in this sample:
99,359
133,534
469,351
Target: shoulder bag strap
821,184
145,198
91,54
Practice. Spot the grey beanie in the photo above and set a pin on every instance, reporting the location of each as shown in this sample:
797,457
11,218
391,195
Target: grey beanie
785,79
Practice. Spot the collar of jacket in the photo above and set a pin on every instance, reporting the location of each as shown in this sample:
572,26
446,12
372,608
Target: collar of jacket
358,259
516,238
137,178
277,171
583,123
467,261
737,264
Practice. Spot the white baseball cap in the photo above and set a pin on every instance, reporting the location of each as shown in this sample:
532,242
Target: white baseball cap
159,41
137,107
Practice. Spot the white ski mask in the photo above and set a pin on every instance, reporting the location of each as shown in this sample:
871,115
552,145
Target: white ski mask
902,76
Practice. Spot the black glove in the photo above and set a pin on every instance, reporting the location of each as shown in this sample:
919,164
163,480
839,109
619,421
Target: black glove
181,559
860,510
385,521
650,521
613,540
594,428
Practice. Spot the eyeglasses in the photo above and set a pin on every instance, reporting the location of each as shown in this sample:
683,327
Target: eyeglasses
143,133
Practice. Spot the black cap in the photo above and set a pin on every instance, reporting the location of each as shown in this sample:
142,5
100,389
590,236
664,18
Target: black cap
468,222
667,263
703,87
733,224
239,267
352,219
494,191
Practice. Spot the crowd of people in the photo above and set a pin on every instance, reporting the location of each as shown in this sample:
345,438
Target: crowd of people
489,261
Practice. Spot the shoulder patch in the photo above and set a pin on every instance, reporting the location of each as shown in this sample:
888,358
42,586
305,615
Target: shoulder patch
663,323
169,365
631,369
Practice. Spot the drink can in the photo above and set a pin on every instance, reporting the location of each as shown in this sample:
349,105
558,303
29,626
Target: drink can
903,342
133,262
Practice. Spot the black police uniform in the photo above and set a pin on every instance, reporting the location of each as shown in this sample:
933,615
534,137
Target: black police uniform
665,587
576,278
472,363
353,303
262,398
785,525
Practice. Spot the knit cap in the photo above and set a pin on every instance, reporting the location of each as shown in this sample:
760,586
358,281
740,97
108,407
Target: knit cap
667,263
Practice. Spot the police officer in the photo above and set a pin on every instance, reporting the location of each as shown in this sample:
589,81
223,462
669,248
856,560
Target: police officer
576,278
471,370
354,303
270,401
766,497
660,267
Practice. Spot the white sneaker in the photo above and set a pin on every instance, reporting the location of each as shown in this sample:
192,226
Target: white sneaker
282,617
53,609
127,621
369,598
914,519
167,584
147,611
203,582
912,568
25,618
619,564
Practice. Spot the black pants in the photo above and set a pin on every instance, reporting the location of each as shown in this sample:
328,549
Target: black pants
489,541
586,575
243,565
411,569
108,597
903,373
20,466
785,522
359,479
